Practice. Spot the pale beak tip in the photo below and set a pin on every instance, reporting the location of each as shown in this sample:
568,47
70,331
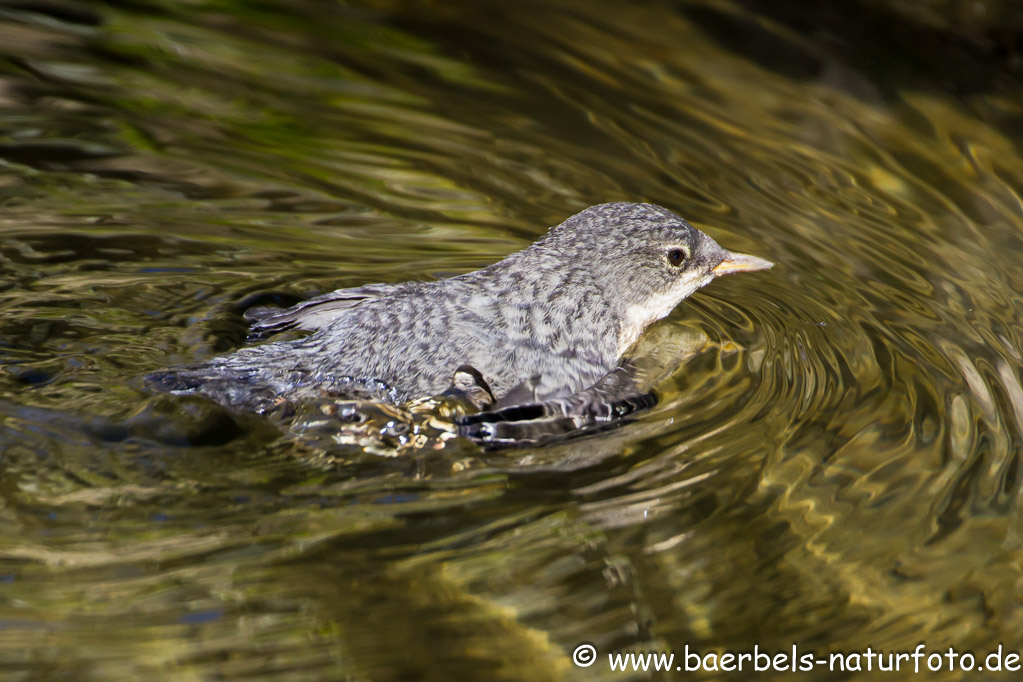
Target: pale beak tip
741,262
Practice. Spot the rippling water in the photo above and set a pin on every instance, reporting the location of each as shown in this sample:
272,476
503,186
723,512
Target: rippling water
835,461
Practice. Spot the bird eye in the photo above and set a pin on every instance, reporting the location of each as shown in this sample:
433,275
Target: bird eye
676,257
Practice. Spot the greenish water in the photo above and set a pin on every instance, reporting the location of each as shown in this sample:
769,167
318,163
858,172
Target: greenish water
835,463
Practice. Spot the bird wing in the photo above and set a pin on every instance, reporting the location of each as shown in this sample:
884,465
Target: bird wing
317,312
519,419
606,404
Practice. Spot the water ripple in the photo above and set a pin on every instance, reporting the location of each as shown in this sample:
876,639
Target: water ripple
835,455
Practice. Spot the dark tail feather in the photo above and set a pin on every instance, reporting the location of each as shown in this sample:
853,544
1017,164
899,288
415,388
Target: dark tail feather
181,381
240,388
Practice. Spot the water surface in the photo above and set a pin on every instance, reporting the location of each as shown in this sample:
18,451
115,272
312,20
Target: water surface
835,461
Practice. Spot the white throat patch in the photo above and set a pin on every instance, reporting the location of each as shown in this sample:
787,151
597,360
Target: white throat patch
638,317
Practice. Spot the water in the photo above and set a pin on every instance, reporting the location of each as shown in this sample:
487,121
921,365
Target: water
834,463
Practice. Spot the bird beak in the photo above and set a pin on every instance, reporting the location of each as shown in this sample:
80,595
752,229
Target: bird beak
740,262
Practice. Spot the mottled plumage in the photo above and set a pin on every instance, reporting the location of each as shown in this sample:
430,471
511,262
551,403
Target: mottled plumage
545,323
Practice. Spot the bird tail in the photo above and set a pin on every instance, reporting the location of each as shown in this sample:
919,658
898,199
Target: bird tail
252,379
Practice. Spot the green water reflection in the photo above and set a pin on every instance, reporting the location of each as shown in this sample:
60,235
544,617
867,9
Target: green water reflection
835,463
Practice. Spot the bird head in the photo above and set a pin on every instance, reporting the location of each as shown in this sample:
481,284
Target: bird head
646,259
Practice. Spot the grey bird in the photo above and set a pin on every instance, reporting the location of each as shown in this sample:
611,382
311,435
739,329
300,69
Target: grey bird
540,327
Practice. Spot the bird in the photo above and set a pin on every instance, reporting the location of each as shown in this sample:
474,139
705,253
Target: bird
545,324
